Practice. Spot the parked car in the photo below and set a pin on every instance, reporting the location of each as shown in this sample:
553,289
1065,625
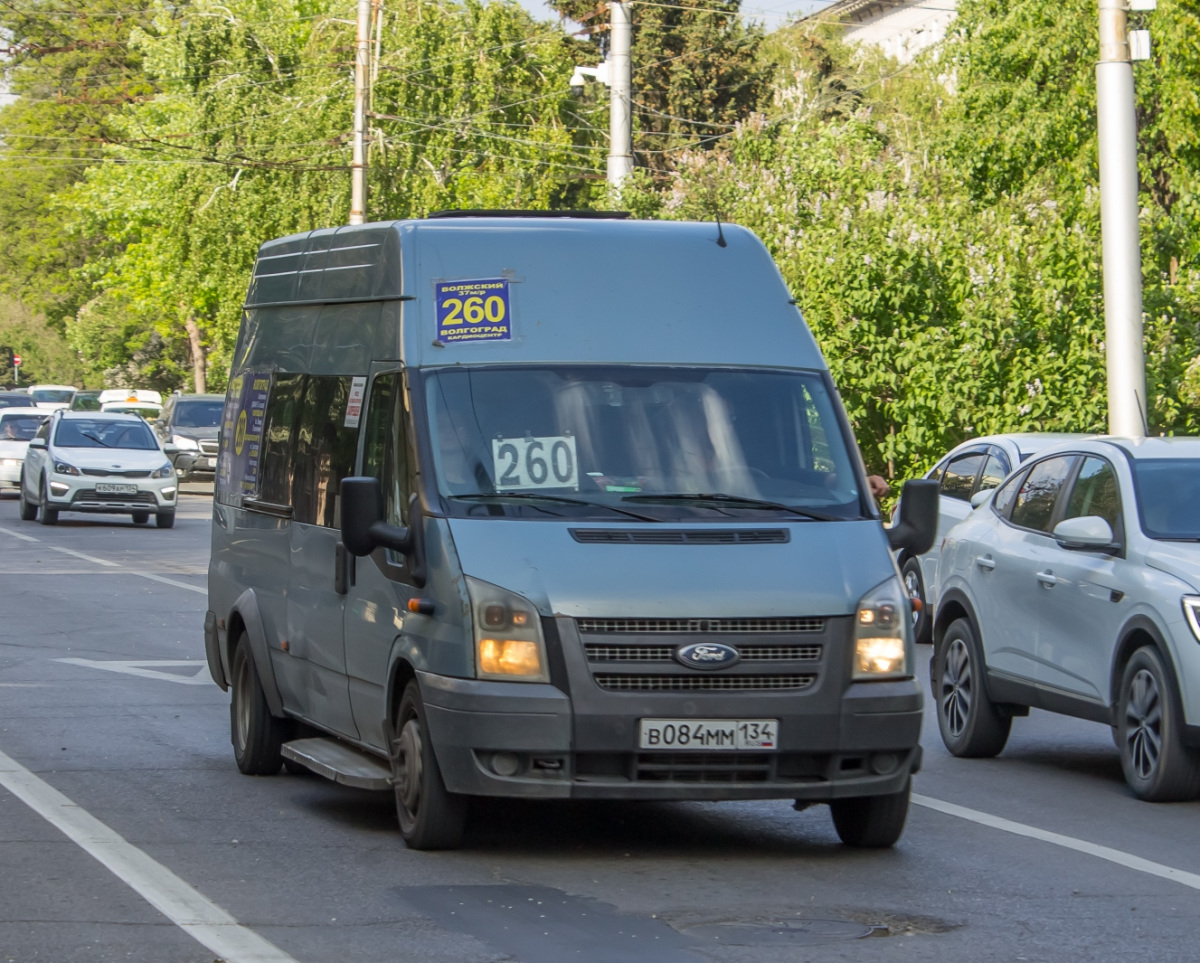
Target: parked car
52,397
17,427
84,461
192,423
974,466
1076,588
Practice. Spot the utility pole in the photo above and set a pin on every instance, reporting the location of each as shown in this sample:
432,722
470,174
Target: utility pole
1122,253
358,163
620,116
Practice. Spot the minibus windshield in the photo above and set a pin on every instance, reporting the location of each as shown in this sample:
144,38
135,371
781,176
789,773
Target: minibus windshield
655,442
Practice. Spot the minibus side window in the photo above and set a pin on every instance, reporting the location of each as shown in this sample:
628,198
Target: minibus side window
275,472
385,450
323,449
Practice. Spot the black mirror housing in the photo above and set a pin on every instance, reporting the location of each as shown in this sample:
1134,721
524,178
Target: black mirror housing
916,528
363,527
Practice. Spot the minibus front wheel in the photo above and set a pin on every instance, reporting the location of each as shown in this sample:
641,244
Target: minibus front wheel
430,817
256,734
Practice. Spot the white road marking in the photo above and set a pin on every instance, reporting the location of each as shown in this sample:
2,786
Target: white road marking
191,911
202,590
86,558
144,669
23,538
1127,860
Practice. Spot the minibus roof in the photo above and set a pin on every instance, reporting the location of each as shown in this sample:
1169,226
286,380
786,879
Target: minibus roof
559,289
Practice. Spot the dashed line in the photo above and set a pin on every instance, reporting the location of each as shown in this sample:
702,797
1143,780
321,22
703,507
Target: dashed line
23,538
199,589
86,558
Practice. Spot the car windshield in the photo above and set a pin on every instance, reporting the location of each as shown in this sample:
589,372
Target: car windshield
86,433
86,401
57,396
1168,497
19,427
656,442
198,414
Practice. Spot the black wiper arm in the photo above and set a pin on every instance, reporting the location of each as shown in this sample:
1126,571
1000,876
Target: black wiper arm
96,438
563,499
732,500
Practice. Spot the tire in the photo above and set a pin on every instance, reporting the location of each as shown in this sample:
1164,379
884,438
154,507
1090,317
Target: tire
871,822
429,816
255,733
165,519
1158,767
141,518
49,515
914,585
27,508
971,725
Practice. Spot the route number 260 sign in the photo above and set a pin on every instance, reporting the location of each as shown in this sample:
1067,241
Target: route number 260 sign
523,463
473,311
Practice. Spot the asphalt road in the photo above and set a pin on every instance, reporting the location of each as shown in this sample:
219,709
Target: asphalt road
127,833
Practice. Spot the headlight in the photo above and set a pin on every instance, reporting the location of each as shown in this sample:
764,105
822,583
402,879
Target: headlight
165,472
881,627
1191,611
62,468
508,635
184,443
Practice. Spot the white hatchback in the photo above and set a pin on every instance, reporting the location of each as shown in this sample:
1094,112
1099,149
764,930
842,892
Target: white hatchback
91,461
1075,587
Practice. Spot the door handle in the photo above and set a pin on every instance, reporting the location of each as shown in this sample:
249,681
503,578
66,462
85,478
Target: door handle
1047,578
986,562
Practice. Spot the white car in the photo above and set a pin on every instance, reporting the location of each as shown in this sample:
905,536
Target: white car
17,427
51,397
974,466
94,461
1075,587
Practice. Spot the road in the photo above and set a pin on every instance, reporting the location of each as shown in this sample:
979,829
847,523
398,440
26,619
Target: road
160,851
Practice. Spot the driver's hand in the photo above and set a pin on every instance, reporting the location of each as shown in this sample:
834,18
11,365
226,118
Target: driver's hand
878,485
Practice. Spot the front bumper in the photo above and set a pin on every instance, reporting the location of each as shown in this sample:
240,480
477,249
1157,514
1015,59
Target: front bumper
837,740
195,463
10,471
70,494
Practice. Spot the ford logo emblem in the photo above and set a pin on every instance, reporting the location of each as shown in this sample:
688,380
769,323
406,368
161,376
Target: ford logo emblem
707,655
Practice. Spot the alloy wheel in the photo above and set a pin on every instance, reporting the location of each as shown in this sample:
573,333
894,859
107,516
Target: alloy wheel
957,687
1143,723
243,694
912,585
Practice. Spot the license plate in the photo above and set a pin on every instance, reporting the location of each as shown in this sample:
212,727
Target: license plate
109,488
709,734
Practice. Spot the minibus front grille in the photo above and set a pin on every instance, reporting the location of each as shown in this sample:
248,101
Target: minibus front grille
606,652
703,682
704,767
694,626
681,536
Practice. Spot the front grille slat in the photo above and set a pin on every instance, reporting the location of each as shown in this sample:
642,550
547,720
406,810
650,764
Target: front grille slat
703,682
105,473
685,536
605,652
91,497
208,447
694,626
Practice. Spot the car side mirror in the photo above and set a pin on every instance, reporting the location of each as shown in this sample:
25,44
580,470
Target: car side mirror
364,528
37,442
981,496
1086,533
170,450
916,527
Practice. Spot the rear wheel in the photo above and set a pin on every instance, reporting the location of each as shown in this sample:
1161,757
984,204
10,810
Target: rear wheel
1157,765
49,515
971,724
429,816
140,518
914,585
28,509
255,733
165,519
871,822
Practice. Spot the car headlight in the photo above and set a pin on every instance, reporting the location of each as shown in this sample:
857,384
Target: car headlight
508,635
62,468
881,627
1191,611
165,472
184,443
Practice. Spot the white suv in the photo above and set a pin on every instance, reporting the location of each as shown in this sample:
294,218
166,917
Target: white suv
91,461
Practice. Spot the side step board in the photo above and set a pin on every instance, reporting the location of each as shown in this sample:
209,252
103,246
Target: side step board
340,762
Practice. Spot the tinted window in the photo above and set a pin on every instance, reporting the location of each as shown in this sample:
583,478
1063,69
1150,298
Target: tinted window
322,449
52,396
959,480
81,433
1036,498
1003,500
1095,493
19,427
385,451
1168,496
994,470
197,414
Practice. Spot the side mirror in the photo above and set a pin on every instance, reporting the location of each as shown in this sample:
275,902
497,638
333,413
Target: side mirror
1083,534
364,528
981,497
37,442
170,450
916,528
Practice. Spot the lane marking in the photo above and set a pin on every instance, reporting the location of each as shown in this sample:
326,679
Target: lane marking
86,558
144,669
191,911
24,538
201,590
1127,860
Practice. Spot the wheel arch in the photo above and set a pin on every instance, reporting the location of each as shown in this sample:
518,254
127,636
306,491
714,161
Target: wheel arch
245,618
400,675
1139,632
952,606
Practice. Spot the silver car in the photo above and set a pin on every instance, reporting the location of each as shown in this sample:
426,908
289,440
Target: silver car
1075,588
978,465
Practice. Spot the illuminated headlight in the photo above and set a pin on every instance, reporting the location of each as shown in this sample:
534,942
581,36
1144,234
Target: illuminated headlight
1191,611
184,443
165,472
10,462
881,627
62,468
508,635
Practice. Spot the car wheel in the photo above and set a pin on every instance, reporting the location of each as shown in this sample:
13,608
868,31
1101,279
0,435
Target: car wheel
970,723
49,515
429,816
255,733
871,822
165,519
914,585
27,508
141,518
1157,765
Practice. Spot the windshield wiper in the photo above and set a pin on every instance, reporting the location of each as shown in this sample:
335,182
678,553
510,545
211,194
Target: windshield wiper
562,499
96,438
734,501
